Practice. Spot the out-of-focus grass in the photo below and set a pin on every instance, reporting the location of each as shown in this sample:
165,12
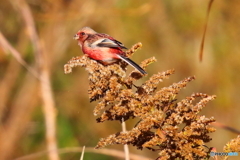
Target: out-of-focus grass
169,30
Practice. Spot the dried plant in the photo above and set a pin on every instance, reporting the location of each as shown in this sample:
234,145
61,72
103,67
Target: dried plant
173,128
232,146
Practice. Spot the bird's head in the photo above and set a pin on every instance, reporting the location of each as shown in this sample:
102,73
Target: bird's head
83,34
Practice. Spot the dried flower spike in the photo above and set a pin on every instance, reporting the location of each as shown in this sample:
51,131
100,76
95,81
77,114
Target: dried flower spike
171,127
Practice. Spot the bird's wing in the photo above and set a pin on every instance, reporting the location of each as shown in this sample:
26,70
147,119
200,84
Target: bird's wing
110,43
132,63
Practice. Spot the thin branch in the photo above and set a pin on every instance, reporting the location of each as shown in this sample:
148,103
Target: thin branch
8,48
126,148
205,30
109,152
83,151
231,129
46,91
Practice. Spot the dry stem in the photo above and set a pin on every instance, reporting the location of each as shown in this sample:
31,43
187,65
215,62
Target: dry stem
46,92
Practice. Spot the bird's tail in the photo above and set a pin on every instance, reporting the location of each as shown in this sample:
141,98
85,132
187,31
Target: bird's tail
132,63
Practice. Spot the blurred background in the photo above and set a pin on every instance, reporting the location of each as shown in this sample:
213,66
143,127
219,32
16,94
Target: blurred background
169,30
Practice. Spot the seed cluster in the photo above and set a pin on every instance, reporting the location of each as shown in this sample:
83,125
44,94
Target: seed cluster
233,145
171,127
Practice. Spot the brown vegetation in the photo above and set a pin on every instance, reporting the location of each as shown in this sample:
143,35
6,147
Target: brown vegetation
42,108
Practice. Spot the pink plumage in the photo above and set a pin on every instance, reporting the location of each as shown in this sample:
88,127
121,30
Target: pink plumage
103,48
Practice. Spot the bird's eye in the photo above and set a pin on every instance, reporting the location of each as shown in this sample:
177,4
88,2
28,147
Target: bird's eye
82,33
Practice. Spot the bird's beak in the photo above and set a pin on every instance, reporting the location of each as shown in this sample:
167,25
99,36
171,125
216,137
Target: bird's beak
76,36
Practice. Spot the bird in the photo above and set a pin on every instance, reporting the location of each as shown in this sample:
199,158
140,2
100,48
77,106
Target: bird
103,48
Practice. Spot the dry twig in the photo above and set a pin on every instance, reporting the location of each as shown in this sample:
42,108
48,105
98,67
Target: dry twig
109,152
46,91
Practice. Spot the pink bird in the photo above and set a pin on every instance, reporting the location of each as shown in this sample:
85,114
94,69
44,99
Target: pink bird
103,48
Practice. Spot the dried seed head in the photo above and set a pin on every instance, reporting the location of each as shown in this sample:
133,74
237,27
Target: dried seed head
173,128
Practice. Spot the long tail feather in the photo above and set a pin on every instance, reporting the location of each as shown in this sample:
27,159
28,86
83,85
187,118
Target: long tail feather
132,63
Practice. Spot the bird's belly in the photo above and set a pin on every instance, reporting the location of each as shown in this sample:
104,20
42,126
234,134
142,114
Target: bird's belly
108,61
105,55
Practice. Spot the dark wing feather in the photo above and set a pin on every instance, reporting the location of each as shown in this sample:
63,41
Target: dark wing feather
132,63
